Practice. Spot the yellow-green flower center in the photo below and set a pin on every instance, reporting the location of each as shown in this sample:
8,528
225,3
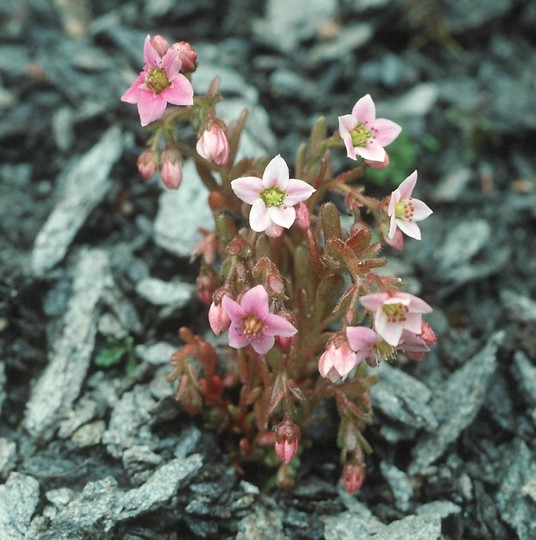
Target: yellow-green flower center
384,350
272,196
360,135
253,326
156,80
404,209
396,312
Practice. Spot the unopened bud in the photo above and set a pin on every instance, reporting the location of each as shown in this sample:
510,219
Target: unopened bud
303,217
171,172
187,55
378,165
218,320
353,476
284,342
287,435
160,44
213,144
148,163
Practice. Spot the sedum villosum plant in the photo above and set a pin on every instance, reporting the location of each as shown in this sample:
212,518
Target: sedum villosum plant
297,295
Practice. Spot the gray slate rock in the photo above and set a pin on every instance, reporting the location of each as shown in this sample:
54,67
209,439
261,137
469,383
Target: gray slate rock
85,185
70,356
403,398
261,524
457,403
349,526
102,504
19,497
165,293
516,498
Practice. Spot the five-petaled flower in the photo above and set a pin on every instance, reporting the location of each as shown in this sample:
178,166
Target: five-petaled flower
365,135
273,196
159,83
405,211
394,313
252,323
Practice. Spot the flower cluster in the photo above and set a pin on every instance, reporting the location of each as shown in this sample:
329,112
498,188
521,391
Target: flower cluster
296,294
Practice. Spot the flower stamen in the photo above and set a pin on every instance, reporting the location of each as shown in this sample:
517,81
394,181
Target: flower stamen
156,80
252,325
272,196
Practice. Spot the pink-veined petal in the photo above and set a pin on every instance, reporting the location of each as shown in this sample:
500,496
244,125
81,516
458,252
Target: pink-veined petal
282,215
298,191
345,362
150,107
233,309
247,188
407,186
276,174
259,218
325,366
420,210
172,63
364,110
180,92
255,300
410,228
132,94
279,326
387,131
262,344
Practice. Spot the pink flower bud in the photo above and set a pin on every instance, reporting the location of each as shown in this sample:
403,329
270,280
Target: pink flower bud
378,165
285,342
171,172
427,334
353,476
160,44
148,163
303,217
187,55
205,285
217,318
213,144
287,435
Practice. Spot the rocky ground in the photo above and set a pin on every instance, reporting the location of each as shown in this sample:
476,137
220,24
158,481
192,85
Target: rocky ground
95,260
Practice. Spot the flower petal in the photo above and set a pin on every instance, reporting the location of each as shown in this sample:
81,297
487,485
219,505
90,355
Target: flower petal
247,188
262,344
279,326
361,338
282,215
420,210
407,186
237,338
180,92
255,300
390,332
387,131
373,301
233,309
346,123
410,228
259,218
413,322
364,110
373,151
150,106
150,55
132,94
298,191
392,226
395,197
276,174
172,63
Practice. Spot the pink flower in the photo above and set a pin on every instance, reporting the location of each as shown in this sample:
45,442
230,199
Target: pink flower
368,345
213,144
394,313
273,197
364,134
338,359
159,83
171,172
252,323
404,210
287,435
